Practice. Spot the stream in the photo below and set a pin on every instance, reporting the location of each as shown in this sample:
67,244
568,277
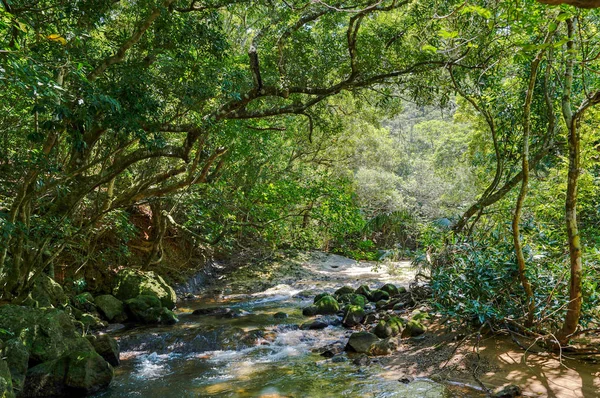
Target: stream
250,353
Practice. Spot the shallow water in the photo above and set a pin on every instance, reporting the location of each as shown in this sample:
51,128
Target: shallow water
254,355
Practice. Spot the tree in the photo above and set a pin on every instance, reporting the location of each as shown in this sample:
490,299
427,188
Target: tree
126,102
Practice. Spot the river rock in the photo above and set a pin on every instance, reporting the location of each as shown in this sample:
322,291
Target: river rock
6,386
48,293
343,290
508,391
362,360
314,325
327,305
74,374
147,309
280,315
111,308
331,350
17,358
390,289
392,326
320,296
107,347
84,302
361,342
363,290
354,299
91,322
131,283
47,333
231,313
413,328
311,310
378,295
354,315
384,347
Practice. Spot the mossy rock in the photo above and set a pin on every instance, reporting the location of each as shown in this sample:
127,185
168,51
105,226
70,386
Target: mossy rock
47,293
343,290
6,386
75,374
378,295
384,347
354,315
361,342
17,358
131,283
413,328
354,299
92,322
388,328
147,309
107,347
382,330
111,308
47,333
390,289
327,305
364,290
320,296
84,302
311,310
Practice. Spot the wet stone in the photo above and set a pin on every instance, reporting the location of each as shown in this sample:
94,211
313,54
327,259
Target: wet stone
315,325
280,315
362,360
509,391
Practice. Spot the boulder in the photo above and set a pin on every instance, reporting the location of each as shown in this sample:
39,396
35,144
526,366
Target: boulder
311,310
364,290
84,302
390,289
91,322
47,333
343,290
74,374
330,350
390,327
147,309
383,330
354,299
280,315
111,308
131,283
314,325
107,347
320,296
354,315
48,293
384,347
17,358
327,305
378,295
6,386
361,342
413,328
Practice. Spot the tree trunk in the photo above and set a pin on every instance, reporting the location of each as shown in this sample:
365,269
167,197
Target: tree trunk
574,307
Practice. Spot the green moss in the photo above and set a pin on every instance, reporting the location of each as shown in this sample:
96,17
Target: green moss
327,305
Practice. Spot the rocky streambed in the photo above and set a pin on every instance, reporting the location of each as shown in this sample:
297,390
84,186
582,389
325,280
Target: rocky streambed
303,337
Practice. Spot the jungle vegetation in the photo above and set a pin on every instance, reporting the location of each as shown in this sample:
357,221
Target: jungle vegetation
463,132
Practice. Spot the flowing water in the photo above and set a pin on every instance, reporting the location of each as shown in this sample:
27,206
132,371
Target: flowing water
256,354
